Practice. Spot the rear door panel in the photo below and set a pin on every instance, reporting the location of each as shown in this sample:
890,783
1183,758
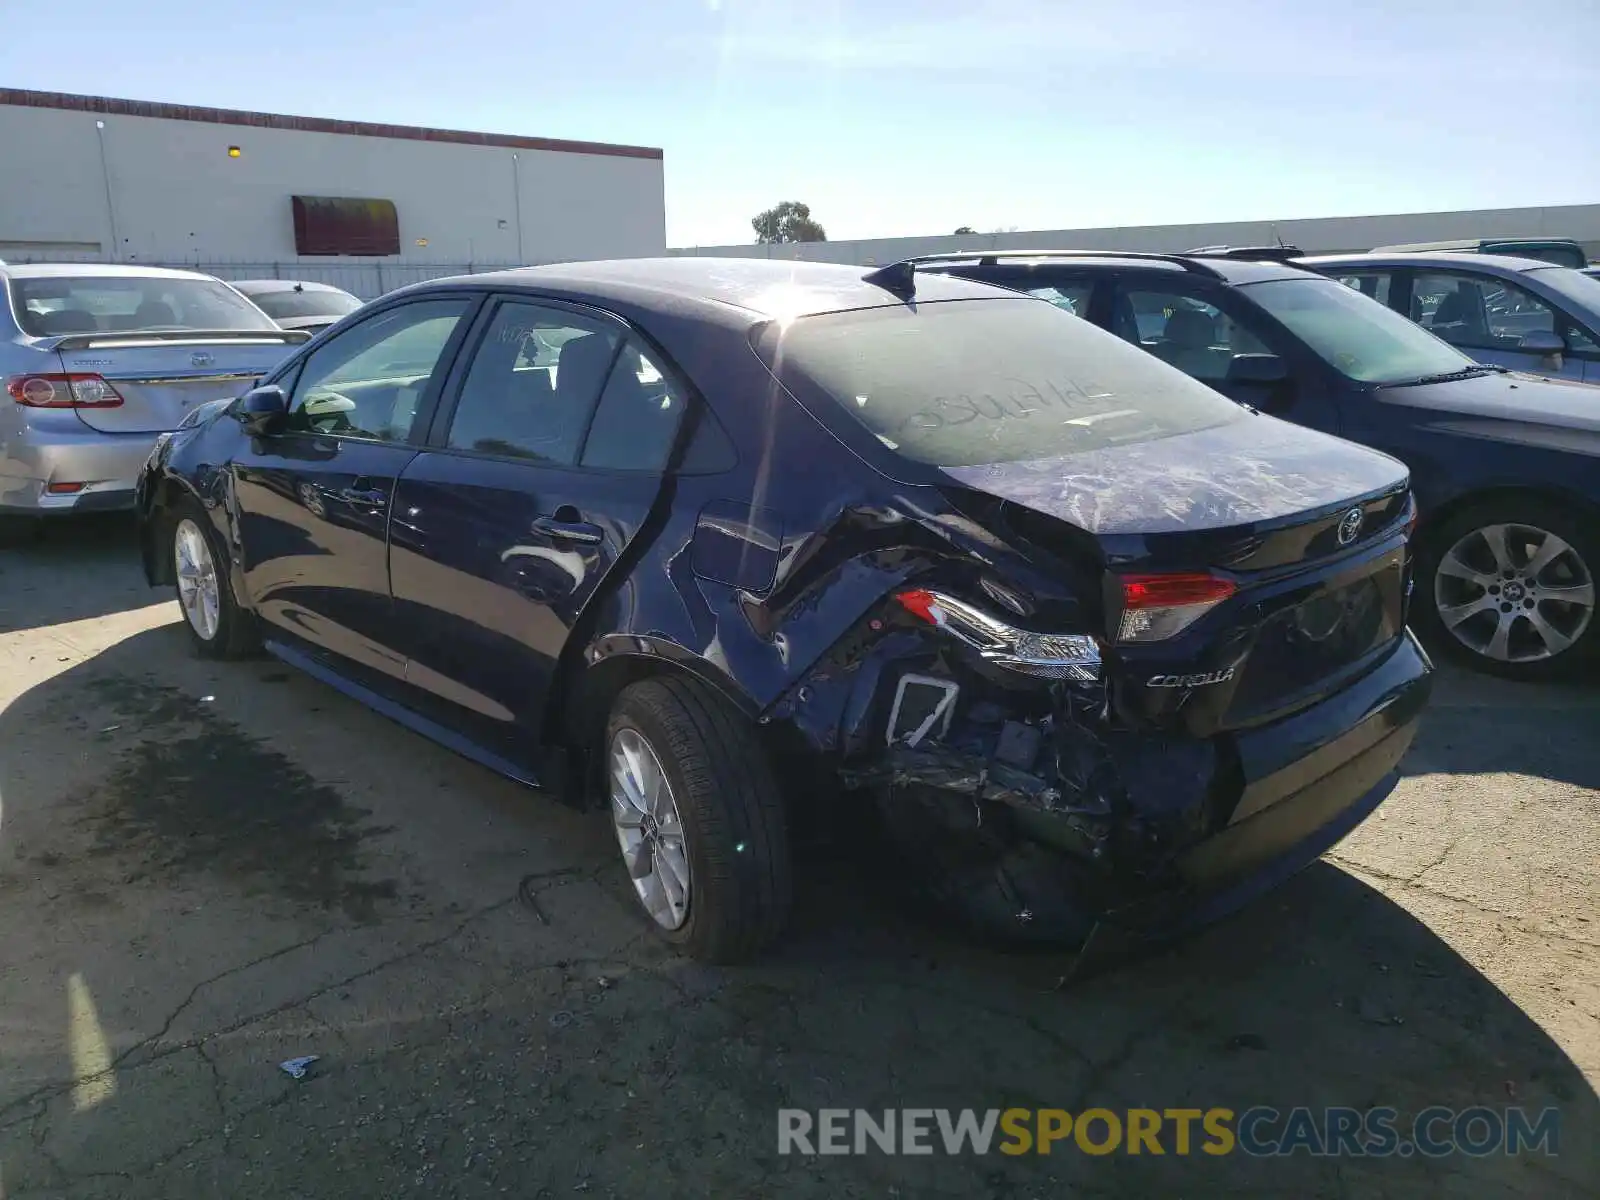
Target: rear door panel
485,598
499,538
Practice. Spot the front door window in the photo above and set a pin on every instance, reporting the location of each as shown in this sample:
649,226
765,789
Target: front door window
368,382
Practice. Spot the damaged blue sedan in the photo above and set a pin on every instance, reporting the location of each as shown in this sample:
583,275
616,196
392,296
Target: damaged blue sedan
1099,652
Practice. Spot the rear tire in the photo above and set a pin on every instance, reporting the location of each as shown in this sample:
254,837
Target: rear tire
723,808
203,582
1478,602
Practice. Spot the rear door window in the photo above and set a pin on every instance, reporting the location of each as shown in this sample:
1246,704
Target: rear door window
533,384
962,383
637,418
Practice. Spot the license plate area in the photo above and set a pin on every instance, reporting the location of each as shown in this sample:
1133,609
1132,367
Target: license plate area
1317,637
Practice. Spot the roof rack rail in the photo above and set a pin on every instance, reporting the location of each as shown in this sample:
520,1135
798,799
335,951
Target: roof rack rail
991,258
1278,253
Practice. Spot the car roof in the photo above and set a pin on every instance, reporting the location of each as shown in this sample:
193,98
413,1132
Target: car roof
93,270
284,285
731,290
1488,264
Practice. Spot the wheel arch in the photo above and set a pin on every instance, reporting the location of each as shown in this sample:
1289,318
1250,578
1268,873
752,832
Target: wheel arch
166,492
577,713
1442,513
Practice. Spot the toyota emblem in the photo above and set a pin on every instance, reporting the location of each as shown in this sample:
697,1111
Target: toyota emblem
202,358
1350,526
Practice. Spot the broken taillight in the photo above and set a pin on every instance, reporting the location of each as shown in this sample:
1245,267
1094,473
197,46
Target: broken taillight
63,391
1074,656
1155,607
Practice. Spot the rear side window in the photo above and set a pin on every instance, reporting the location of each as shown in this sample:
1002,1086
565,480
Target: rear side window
60,304
533,384
962,383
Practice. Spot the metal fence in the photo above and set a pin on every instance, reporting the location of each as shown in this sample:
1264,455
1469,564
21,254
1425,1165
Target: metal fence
366,278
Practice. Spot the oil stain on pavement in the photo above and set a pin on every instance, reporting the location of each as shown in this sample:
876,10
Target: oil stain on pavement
190,792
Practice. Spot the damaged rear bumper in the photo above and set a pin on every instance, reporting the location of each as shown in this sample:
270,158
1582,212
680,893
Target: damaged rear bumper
1117,839
1330,767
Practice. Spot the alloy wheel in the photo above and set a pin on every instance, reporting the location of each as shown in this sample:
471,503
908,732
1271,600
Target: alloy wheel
1514,593
198,593
649,829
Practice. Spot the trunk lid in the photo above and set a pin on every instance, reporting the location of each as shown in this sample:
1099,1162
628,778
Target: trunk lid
162,376
1306,530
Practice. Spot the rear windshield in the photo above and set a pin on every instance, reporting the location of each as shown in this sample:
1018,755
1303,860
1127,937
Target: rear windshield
1357,336
58,305
1563,254
290,303
961,383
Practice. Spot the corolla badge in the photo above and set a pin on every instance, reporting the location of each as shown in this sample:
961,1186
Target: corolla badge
1189,681
1350,526
202,358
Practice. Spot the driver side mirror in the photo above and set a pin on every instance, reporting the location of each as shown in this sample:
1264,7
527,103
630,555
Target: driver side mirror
1549,346
261,410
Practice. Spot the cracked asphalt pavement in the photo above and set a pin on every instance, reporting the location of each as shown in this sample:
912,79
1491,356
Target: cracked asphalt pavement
208,869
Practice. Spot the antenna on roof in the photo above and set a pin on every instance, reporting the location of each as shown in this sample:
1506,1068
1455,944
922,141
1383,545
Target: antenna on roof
898,277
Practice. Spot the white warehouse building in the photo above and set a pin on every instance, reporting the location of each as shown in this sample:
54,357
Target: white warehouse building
366,207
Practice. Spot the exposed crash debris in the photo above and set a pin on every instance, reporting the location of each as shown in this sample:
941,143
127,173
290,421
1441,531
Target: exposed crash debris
1029,807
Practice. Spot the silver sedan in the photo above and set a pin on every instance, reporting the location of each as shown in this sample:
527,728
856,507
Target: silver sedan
99,360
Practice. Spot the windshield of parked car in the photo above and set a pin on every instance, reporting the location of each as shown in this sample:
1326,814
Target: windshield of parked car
55,305
962,383
1583,290
1356,335
289,303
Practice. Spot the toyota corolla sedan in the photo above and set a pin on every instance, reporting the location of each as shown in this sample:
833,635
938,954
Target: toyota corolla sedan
1096,651
97,360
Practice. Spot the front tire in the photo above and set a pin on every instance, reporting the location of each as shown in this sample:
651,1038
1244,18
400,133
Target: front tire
1509,587
217,626
699,819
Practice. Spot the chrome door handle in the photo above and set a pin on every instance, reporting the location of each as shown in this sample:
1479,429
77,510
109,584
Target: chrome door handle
363,497
569,531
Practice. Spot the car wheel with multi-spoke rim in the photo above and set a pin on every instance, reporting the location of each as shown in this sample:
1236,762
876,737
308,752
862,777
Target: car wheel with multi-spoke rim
217,625
699,819
1511,588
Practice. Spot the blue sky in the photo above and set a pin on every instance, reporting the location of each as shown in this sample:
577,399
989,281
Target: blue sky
908,117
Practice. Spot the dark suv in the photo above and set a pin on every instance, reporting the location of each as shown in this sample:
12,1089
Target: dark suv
1506,467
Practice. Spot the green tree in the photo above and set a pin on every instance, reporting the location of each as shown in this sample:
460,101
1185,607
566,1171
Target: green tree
965,229
787,222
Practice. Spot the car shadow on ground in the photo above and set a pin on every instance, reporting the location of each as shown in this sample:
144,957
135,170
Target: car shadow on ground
43,576
557,1044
